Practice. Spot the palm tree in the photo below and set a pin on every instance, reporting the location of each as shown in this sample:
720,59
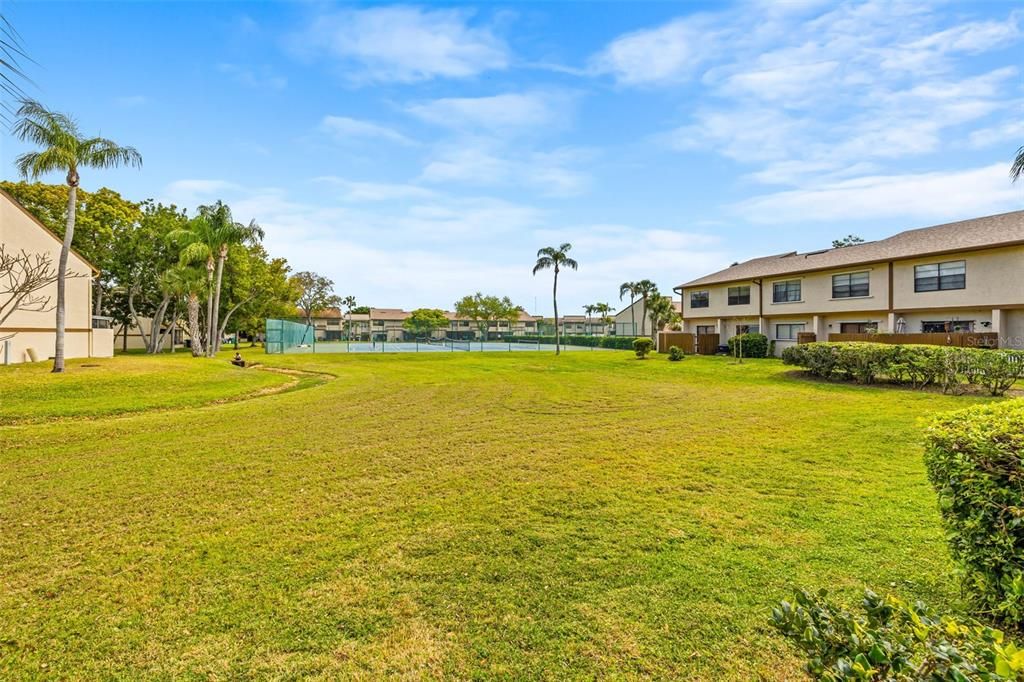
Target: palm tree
662,313
209,238
1017,169
556,259
63,149
629,288
589,310
645,288
187,282
349,302
605,311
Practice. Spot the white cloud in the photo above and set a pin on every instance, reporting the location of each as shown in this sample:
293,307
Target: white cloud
356,191
483,163
262,79
345,129
940,196
1009,134
666,54
510,110
404,44
188,192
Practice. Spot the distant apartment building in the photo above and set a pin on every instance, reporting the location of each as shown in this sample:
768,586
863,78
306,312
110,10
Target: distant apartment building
389,324
630,320
963,276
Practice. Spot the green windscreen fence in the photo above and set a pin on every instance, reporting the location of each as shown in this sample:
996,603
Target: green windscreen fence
285,334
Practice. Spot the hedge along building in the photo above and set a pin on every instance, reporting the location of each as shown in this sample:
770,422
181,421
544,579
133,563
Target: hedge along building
33,332
963,276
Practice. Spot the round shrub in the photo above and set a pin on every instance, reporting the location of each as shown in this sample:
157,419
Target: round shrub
675,354
642,347
754,345
973,459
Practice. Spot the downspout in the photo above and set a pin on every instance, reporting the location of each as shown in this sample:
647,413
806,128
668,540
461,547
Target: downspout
760,307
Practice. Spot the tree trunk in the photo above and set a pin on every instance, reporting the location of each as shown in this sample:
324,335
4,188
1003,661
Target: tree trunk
124,337
193,325
209,303
62,272
554,300
138,322
167,329
227,318
97,305
632,312
643,318
214,345
157,322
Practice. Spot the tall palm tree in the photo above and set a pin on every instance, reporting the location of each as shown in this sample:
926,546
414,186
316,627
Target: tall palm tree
188,283
645,288
63,148
555,259
1017,169
349,302
629,288
605,311
209,238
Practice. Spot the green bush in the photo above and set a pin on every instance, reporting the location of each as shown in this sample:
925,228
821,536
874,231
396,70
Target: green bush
952,368
894,641
754,345
973,459
675,354
617,342
642,347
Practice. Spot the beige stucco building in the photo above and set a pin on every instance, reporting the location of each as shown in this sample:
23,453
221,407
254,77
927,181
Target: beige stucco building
964,276
28,333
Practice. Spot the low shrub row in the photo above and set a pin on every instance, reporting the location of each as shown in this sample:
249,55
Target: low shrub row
617,342
954,369
754,345
973,459
892,641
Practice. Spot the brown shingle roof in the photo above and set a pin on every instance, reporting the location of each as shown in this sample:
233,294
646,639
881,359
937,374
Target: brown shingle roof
966,235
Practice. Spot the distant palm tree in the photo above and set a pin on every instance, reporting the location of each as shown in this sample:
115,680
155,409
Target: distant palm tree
589,310
645,288
556,259
188,283
209,237
349,302
629,288
63,149
604,310
1017,169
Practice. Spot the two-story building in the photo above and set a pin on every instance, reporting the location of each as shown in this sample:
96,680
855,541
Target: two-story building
963,276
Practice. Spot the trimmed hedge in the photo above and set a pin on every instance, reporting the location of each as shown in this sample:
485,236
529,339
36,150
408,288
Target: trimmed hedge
754,345
892,640
675,354
642,346
973,459
617,342
952,368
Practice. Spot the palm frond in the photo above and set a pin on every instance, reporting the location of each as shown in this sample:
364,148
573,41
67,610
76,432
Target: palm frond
543,263
565,248
569,263
1017,169
34,164
99,152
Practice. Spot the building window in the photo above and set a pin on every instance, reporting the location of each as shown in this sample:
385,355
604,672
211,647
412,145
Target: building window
786,292
787,332
851,285
748,329
739,295
858,327
699,299
704,329
940,276
943,326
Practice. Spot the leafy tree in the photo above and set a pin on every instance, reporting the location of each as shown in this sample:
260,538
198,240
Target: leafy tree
316,293
661,312
848,240
555,259
62,148
256,287
425,321
645,290
99,217
631,289
361,310
1017,169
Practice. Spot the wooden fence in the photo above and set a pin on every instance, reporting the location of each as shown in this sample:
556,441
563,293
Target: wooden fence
961,339
703,344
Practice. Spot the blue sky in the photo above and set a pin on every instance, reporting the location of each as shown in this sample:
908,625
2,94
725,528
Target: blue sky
416,153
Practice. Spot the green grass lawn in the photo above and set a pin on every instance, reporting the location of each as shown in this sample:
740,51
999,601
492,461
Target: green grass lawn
467,515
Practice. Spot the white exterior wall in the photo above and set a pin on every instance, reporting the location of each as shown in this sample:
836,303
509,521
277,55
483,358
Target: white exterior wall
35,332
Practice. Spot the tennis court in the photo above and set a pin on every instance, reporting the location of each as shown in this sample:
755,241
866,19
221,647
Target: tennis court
285,336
